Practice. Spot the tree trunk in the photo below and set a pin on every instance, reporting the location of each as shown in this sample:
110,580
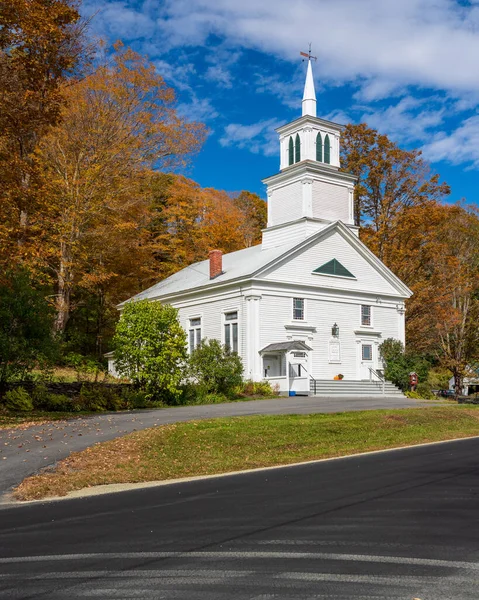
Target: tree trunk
65,278
457,384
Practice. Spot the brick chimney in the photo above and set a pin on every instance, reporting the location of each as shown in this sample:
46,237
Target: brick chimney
216,263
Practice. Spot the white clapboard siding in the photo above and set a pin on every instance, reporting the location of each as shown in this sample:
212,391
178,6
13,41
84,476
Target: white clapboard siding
299,268
277,325
331,201
285,204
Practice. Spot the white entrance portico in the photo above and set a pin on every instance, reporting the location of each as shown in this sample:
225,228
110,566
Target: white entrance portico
288,364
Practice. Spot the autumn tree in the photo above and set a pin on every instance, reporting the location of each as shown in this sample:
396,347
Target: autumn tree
255,211
118,124
188,221
41,42
391,181
457,323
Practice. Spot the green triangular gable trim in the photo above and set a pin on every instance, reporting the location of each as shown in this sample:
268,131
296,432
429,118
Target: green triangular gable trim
333,267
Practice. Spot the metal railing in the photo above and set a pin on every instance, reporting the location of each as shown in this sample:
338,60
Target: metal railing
380,377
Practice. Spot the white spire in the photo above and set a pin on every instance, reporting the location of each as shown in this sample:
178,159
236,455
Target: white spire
309,96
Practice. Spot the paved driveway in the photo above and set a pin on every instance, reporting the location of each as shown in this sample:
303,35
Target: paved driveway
26,451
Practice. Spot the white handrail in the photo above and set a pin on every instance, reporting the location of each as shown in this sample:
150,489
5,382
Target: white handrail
380,377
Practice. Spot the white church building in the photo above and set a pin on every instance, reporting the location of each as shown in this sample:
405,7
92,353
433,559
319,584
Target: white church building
311,302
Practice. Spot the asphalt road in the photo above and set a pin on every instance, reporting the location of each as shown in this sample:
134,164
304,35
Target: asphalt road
27,451
396,525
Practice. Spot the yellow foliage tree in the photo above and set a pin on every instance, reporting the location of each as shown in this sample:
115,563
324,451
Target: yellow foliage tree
118,123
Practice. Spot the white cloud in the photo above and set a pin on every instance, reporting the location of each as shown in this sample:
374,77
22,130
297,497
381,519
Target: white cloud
289,95
259,138
411,119
432,43
461,146
219,75
198,109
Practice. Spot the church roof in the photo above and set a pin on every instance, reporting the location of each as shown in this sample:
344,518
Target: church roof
236,265
286,347
250,262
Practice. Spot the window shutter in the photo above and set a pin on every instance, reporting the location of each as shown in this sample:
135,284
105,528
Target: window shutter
319,148
327,150
291,151
297,157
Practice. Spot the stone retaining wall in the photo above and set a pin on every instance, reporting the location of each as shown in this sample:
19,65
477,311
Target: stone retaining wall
71,389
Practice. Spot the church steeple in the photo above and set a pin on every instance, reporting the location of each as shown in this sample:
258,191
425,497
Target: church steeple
309,95
309,191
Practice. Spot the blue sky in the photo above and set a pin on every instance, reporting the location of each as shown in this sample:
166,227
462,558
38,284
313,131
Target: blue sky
407,67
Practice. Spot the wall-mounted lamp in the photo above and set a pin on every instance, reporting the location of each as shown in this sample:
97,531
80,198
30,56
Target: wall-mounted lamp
335,330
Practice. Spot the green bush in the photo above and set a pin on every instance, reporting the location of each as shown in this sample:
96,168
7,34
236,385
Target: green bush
97,398
150,349
216,368
425,391
58,402
414,395
257,388
18,400
133,398
399,363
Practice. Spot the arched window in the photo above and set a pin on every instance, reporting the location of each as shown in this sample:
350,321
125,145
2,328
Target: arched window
327,150
319,148
291,151
297,149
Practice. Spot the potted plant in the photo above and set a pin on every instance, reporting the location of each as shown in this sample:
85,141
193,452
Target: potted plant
338,377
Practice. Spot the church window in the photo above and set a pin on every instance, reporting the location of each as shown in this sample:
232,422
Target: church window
298,309
333,267
231,330
291,151
297,149
367,352
194,333
327,150
319,148
366,315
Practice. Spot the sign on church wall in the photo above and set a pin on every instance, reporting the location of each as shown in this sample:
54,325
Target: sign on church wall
334,351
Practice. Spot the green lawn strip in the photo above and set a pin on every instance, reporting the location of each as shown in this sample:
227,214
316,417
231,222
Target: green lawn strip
241,443
22,420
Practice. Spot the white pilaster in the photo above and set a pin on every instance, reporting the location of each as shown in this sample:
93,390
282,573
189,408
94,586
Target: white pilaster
253,359
307,192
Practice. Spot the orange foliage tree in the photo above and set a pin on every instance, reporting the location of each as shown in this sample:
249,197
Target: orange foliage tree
433,247
41,44
188,221
118,124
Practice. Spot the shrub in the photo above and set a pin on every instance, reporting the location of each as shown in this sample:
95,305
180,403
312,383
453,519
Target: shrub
257,388
150,349
414,395
216,368
399,363
133,399
97,398
424,390
18,400
58,402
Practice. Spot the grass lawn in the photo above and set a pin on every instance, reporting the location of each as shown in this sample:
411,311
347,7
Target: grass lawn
241,443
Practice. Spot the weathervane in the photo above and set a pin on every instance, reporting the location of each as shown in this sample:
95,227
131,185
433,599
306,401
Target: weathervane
308,56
